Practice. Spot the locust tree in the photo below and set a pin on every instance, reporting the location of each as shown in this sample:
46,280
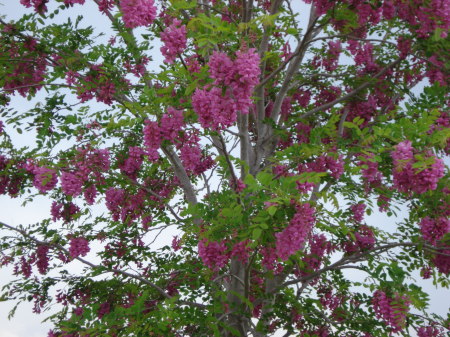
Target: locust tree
264,133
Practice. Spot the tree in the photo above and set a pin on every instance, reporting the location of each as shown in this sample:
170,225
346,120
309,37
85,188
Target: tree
266,137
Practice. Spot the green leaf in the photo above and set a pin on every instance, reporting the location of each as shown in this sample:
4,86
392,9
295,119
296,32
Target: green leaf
272,210
256,234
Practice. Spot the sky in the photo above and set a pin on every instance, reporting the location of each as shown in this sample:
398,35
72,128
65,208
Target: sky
27,324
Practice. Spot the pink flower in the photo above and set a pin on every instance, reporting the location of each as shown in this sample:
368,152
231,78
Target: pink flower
71,184
39,5
434,229
221,68
318,246
174,39
114,198
331,61
430,331
358,212
138,12
132,164
176,243
215,111
213,254
72,2
104,309
364,240
171,123
247,72
79,247
89,194
391,310
371,175
327,163
105,5
442,261
152,139
44,179
63,211
240,250
240,186
408,179
42,259
292,238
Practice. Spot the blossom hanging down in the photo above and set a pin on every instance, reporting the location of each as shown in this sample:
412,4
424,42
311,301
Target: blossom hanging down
138,12
174,38
409,179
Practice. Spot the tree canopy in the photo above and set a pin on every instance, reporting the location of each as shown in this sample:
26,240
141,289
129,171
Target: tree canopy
263,133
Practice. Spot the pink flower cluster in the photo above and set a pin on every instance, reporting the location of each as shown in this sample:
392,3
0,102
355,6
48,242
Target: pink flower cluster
152,139
215,111
138,12
367,14
430,331
434,229
363,56
39,5
71,184
324,164
269,258
127,207
28,69
87,167
171,123
174,38
391,310
303,132
72,2
246,77
406,178
318,246
329,300
132,164
358,212
114,198
241,251
193,159
364,240
234,82
434,71
42,259
213,254
322,6
79,247
89,193
45,179
96,83
176,243
293,237
365,109
370,173
105,5
331,61
302,97
65,212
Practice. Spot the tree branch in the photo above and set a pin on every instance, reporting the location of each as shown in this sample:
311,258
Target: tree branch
94,266
350,94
